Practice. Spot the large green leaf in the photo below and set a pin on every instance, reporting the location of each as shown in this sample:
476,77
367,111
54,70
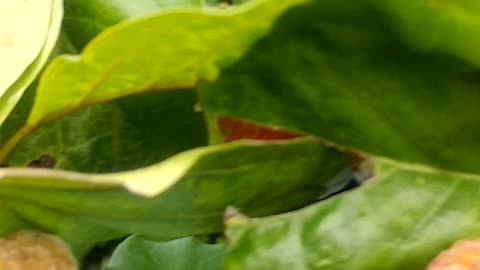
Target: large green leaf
112,66
181,254
184,195
120,135
28,32
399,220
85,19
341,71
445,26
178,58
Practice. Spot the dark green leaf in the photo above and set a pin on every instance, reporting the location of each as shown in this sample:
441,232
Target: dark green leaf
340,70
124,134
181,254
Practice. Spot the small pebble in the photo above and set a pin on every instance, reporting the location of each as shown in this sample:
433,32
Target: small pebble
463,255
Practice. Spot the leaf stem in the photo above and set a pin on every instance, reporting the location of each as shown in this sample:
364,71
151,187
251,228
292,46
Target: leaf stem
14,140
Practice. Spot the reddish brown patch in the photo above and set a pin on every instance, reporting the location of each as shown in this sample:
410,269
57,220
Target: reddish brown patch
233,130
357,158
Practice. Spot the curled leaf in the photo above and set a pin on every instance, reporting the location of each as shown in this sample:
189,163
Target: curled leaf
181,196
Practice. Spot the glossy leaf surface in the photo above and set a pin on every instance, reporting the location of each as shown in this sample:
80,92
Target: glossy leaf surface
401,220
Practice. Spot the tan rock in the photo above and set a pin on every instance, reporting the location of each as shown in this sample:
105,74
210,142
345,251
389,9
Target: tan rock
463,255
34,251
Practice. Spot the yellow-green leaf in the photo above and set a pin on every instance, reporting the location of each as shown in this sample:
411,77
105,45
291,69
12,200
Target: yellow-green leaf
28,32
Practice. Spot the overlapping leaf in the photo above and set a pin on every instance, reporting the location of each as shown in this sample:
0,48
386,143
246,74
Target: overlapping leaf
401,220
113,66
182,54
181,254
342,70
184,195
383,76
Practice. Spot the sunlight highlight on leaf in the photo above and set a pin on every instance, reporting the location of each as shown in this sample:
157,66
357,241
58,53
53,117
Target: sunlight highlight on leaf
28,32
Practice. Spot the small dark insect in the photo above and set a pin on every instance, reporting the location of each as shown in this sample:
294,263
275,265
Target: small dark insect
44,161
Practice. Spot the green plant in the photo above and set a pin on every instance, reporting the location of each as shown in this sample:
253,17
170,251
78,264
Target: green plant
151,118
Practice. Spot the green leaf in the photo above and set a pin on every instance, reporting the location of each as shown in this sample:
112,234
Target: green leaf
399,220
85,19
450,27
19,115
180,56
28,32
183,195
340,70
181,254
120,135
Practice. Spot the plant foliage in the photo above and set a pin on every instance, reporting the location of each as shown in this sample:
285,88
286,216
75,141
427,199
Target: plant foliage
218,134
